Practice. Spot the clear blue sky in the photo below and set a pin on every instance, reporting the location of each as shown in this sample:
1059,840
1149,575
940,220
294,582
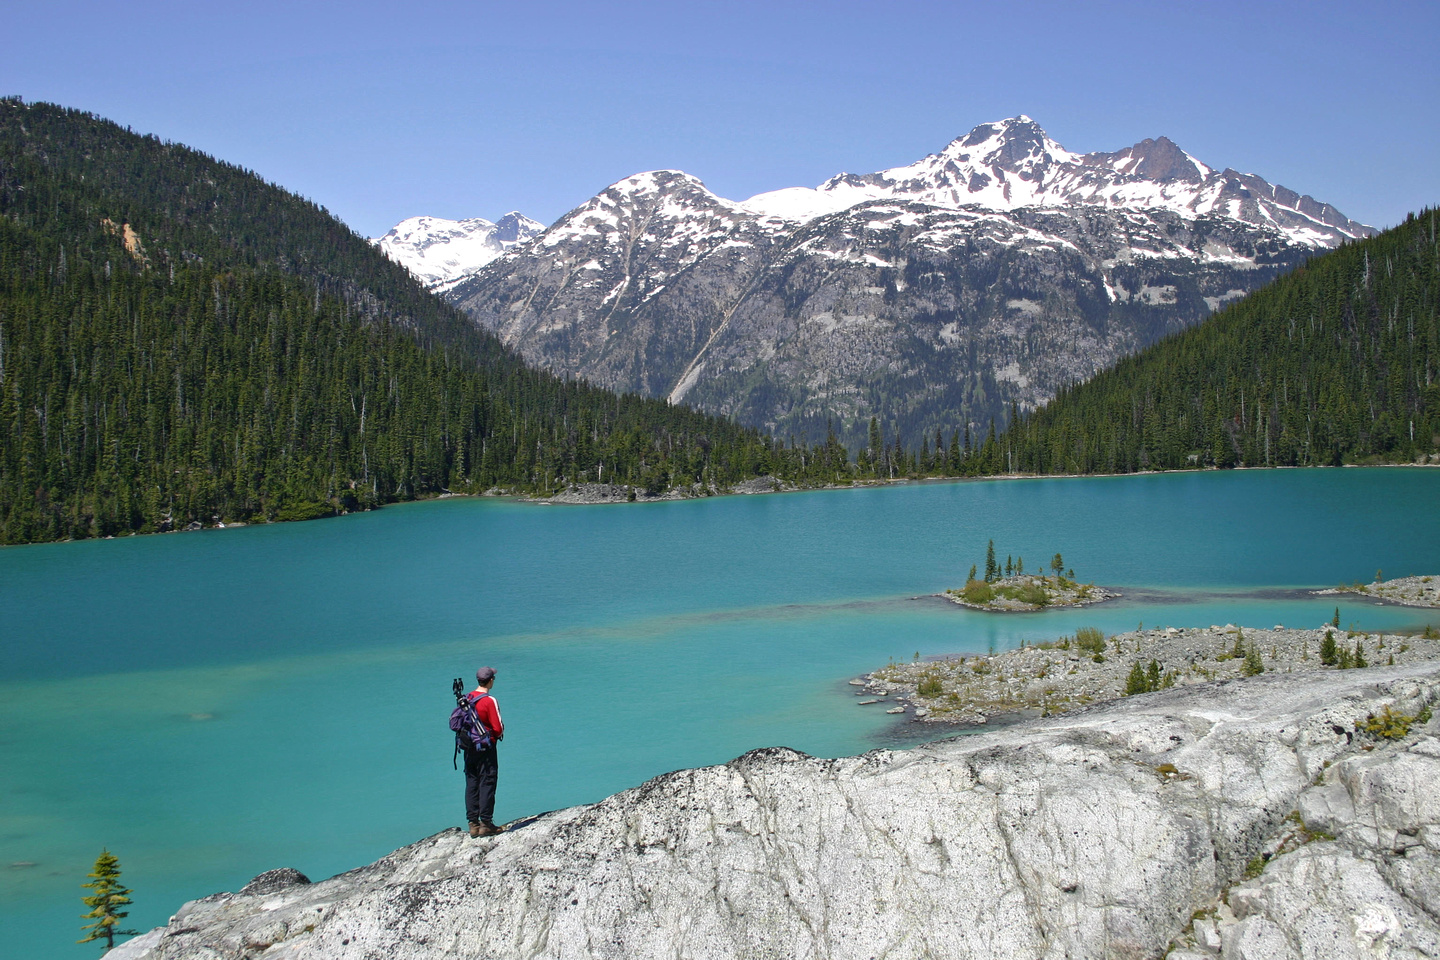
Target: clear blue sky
382,111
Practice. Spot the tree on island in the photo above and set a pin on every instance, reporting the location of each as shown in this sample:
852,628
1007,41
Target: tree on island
992,570
106,902
1057,563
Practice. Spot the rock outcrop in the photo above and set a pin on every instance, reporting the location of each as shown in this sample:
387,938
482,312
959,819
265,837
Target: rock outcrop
1244,819
1407,591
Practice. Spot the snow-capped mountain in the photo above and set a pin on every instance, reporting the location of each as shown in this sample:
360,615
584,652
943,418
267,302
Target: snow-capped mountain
443,252
1013,163
931,296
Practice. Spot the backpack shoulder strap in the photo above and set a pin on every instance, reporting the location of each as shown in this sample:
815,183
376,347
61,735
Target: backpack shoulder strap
474,701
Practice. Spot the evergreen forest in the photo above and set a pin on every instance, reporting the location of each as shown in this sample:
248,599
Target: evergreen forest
1336,362
182,342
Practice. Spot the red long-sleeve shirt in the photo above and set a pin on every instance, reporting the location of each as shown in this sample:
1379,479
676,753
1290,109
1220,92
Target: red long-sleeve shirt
488,712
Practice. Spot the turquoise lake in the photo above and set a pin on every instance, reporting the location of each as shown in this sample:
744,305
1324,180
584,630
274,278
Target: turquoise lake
211,705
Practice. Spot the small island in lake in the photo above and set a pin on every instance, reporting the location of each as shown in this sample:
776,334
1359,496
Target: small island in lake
1407,591
1009,589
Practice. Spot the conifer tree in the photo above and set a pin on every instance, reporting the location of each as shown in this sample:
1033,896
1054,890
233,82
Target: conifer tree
1329,652
1136,682
1152,676
1253,666
1057,563
106,902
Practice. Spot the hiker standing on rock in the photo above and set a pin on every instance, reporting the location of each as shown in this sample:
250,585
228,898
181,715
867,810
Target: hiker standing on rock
482,767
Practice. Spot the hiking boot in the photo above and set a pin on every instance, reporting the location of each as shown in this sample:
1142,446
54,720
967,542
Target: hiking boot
485,830
474,829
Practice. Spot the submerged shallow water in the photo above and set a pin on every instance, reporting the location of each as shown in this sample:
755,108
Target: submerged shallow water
212,705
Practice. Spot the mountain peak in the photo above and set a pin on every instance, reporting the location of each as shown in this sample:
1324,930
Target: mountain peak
1015,145
1019,129
441,252
515,227
1158,159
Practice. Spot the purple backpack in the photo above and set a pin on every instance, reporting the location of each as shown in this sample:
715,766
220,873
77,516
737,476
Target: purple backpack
470,732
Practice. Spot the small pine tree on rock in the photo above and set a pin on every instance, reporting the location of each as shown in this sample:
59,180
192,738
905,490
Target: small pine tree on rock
1360,660
1329,651
110,895
1152,676
1253,665
992,569
1136,682
1335,620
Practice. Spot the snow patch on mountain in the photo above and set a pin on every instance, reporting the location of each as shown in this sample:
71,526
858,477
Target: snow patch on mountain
441,253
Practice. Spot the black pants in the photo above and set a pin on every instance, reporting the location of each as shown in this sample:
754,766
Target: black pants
482,770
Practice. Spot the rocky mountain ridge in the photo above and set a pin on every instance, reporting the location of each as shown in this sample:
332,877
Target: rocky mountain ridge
931,296
1014,163
1276,817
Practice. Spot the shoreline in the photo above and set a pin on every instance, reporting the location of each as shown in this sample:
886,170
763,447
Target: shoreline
1071,673
1422,591
673,494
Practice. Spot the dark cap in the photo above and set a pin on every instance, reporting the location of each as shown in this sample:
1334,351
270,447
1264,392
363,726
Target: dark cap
484,675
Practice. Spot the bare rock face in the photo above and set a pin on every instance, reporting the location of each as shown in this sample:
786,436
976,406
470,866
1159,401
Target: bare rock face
931,296
1119,832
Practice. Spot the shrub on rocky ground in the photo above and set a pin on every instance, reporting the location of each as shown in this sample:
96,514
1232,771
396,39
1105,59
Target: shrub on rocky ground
1090,639
978,591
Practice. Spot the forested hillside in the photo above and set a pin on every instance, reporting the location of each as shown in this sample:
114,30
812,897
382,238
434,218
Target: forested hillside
1336,362
181,341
